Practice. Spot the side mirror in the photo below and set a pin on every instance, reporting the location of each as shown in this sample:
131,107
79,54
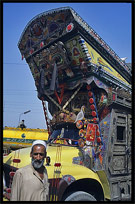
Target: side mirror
48,160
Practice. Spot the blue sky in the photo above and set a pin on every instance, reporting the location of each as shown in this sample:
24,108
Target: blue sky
112,22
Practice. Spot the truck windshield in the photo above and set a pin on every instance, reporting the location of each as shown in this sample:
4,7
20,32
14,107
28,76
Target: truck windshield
70,135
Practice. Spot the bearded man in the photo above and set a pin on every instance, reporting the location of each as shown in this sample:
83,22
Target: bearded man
30,183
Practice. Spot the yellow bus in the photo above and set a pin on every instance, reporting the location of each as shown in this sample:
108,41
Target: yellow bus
14,138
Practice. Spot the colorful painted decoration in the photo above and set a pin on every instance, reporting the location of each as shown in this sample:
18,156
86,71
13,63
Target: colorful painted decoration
82,133
91,132
85,124
79,124
70,27
36,30
76,51
23,135
81,143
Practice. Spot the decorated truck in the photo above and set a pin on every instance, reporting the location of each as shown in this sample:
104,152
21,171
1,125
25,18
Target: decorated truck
86,88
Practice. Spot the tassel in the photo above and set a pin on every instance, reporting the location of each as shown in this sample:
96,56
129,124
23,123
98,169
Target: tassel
31,51
41,44
100,159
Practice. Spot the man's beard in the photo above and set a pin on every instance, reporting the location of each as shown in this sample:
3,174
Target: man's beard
37,164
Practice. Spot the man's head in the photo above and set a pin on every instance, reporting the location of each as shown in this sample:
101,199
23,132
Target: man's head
38,153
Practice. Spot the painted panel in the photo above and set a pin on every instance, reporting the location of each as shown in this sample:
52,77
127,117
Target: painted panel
97,59
43,30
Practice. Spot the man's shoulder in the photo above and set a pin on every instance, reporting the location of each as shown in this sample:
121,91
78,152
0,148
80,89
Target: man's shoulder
45,170
25,168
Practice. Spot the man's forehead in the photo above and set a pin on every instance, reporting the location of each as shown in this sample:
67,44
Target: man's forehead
38,147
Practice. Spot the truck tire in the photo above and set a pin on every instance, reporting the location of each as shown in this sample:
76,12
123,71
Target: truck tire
80,196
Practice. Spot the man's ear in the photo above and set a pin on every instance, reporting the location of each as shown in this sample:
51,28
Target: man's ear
30,154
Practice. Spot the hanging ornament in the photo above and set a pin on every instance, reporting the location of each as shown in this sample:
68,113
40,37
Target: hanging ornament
99,139
79,124
97,133
90,94
88,87
92,107
91,100
93,113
